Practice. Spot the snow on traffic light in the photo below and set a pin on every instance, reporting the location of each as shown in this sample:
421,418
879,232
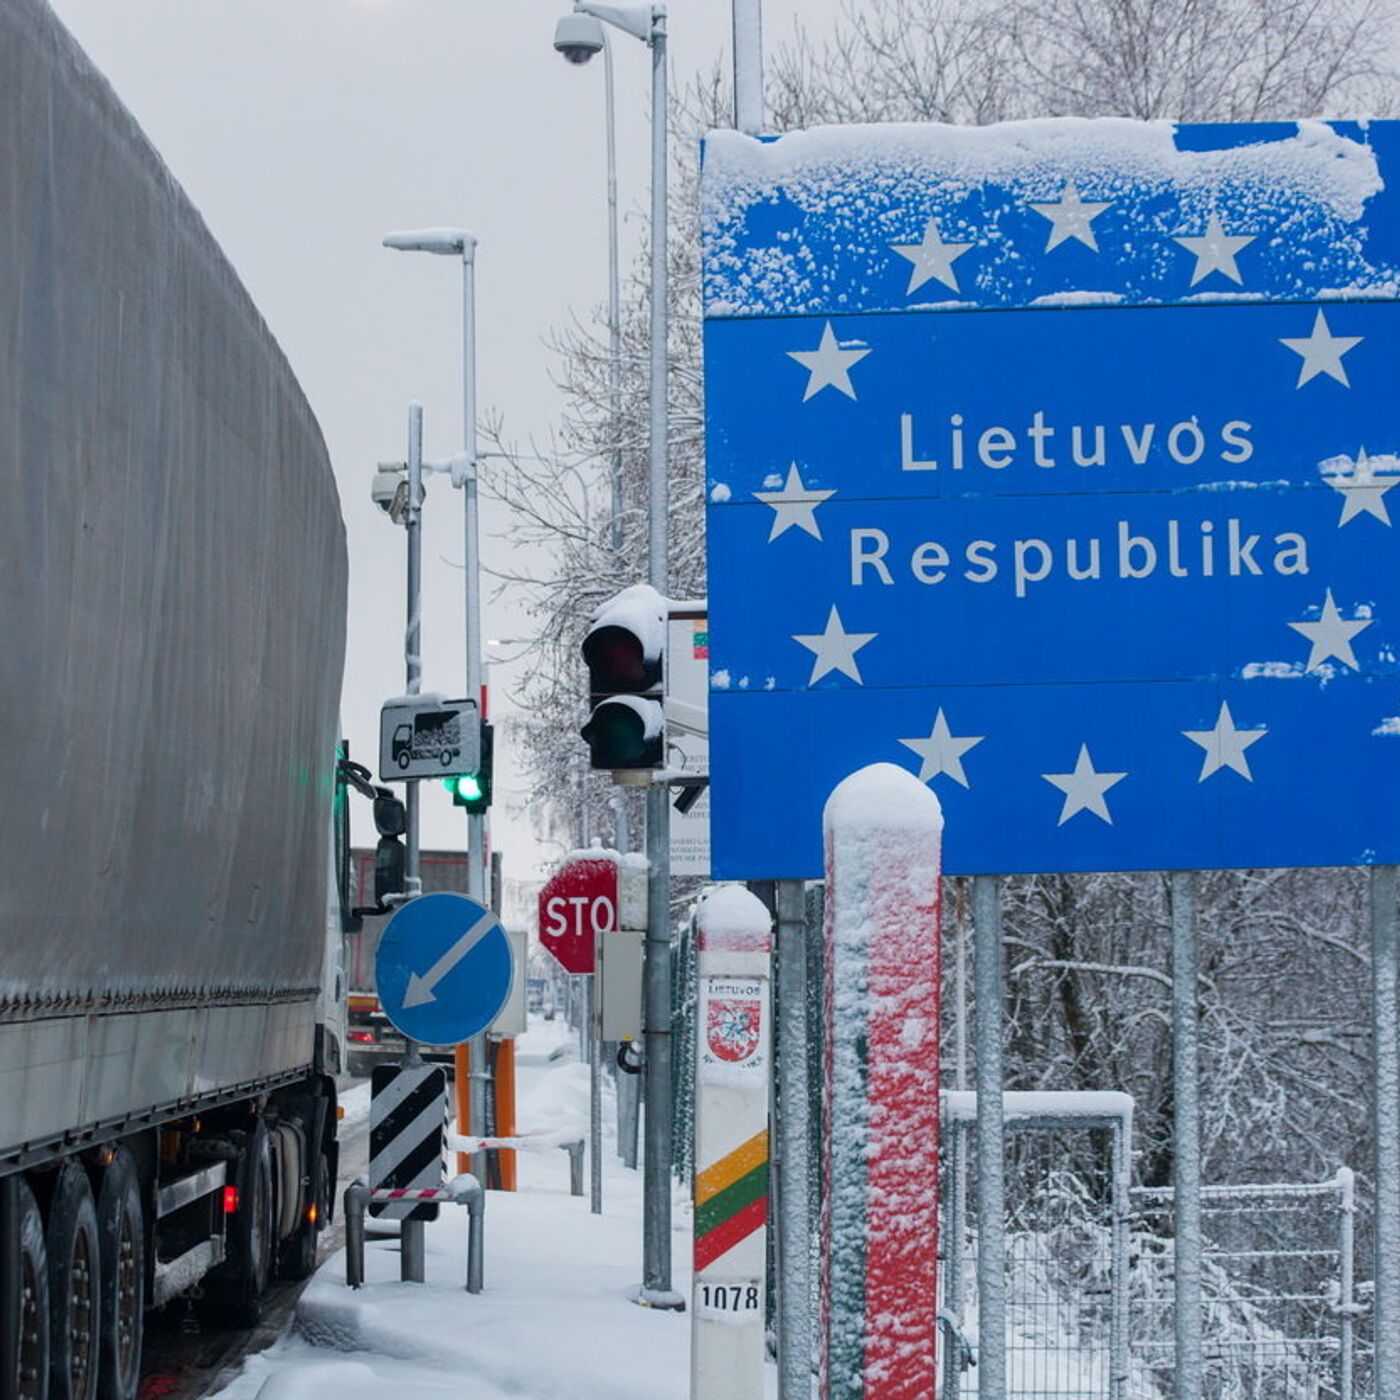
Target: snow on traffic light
625,651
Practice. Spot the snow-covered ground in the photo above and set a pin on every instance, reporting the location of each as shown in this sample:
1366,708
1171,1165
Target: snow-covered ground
556,1320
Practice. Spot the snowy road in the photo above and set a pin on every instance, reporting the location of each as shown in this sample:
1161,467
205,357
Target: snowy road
556,1320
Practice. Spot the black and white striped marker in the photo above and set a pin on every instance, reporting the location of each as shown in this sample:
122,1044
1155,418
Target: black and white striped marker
407,1117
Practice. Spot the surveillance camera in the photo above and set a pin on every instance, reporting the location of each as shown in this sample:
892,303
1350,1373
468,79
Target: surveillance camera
578,37
389,489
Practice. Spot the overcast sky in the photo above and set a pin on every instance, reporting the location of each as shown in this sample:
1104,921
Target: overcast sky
304,130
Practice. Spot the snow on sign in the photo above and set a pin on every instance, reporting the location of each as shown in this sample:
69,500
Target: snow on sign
1052,461
425,736
577,903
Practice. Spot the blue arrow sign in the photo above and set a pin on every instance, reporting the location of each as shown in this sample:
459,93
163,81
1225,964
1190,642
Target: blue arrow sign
443,969
1052,461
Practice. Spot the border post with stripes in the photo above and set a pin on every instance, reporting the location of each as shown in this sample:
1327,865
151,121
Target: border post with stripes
734,947
406,1136
883,833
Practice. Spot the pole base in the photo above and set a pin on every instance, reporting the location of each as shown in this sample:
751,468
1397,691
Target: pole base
663,1299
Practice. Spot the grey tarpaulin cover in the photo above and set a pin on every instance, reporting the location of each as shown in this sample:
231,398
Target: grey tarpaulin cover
172,580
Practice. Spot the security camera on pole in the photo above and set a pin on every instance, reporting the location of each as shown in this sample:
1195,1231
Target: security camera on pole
648,23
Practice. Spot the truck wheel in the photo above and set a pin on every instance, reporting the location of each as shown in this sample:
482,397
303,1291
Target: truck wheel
75,1305
233,1292
30,1291
298,1260
121,1229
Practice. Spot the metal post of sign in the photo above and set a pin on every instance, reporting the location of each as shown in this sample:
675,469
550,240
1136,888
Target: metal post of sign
413,628
657,1146
656,1186
1385,1101
1186,1139
988,978
748,66
477,853
793,1126
411,1232
412,1238
595,1100
956,1231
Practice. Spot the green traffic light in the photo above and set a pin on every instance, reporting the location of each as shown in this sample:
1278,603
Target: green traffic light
465,789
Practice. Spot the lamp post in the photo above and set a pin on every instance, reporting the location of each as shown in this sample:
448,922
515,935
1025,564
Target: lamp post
456,242
575,37
578,40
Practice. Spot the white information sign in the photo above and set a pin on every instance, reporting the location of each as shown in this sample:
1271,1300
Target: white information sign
426,736
688,659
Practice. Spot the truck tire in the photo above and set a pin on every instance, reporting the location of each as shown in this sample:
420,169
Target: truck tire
298,1258
233,1292
30,1290
75,1303
121,1230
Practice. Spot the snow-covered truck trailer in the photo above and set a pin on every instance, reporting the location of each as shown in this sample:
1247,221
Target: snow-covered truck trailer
172,621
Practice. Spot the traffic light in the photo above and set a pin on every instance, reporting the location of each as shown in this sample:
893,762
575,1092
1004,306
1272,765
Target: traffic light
625,651
473,790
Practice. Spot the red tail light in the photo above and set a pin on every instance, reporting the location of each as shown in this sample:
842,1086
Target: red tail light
362,1037
230,1199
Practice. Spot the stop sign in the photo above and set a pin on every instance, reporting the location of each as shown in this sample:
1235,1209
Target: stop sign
577,903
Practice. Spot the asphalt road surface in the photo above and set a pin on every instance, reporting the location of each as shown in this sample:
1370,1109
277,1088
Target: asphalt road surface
185,1361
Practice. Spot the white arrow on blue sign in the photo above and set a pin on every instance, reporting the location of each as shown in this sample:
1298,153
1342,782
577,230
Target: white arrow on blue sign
443,969
1055,461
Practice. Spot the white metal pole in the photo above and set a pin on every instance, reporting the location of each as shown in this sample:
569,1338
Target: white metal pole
622,835
595,1098
657,1156
1186,1139
748,66
413,629
991,1140
1385,1101
411,1232
477,854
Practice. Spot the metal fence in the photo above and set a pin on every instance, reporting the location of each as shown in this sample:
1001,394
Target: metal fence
1280,1291
1066,1245
1090,1272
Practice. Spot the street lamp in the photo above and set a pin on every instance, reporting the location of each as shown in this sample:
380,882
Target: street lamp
578,37
457,242
578,42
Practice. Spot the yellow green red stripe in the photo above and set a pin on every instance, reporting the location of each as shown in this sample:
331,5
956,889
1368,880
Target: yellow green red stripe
731,1199
731,1167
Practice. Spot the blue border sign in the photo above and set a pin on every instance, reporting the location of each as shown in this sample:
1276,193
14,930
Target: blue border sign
1053,460
443,969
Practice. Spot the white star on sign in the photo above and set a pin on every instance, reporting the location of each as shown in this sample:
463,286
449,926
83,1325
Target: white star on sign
1215,251
835,649
828,364
1084,789
1070,217
1363,490
1322,352
931,258
795,504
941,752
1331,635
1224,745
